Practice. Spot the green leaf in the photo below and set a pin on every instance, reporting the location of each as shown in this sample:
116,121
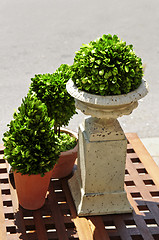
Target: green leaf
5,139
84,80
98,62
92,59
126,69
93,51
111,65
87,88
95,66
102,86
112,87
42,130
115,71
27,154
132,73
101,72
28,167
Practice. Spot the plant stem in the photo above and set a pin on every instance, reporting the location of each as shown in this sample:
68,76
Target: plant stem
59,132
55,129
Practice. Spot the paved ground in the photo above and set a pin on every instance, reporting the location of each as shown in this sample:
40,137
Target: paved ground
37,36
152,145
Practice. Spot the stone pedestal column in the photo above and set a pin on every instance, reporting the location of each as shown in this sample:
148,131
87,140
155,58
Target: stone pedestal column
97,185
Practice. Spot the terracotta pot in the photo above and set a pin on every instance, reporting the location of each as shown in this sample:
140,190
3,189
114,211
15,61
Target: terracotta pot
31,190
66,160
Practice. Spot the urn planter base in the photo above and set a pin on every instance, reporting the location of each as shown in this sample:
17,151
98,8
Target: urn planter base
88,204
97,186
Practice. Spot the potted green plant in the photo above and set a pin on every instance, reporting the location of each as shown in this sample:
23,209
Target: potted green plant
107,66
51,89
32,149
106,82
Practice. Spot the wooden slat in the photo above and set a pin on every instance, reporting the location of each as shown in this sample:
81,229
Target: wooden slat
4,176
39,225
3,166
3,234
5,187
146,234
20,224
1,148
121,228
81,223
142,227
98,228
143,190
60,227
144,156
132,202
12,237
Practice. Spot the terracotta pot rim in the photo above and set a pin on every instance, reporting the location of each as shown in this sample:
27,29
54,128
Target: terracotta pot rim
72,150
39,174
74,134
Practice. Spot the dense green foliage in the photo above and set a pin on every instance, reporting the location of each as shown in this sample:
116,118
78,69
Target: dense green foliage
66,142
107,66
51,89
31,146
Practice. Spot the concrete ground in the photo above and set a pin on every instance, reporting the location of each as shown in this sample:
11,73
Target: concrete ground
152,145
37,36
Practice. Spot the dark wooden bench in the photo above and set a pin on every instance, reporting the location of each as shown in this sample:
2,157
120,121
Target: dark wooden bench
58,218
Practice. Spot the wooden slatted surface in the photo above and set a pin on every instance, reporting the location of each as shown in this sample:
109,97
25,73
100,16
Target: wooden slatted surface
57,219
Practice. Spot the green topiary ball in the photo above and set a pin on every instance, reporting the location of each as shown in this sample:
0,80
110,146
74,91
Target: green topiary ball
31,146
107,66
51,89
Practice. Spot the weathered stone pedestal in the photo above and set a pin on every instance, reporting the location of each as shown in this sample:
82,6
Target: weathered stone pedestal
97,185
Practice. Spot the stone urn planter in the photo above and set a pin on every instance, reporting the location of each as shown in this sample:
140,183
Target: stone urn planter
97,186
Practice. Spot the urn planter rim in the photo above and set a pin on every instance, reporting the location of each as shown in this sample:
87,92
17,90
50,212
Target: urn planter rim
122,99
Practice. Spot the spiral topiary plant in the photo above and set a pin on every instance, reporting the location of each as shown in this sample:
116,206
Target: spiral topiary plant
51,90
107,66
31,146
